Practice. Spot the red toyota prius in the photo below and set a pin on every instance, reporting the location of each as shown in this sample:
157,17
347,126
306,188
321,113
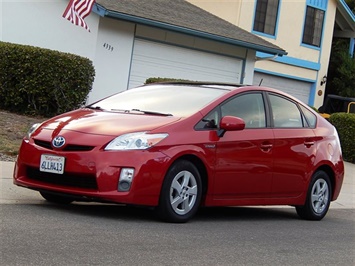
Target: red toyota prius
178,146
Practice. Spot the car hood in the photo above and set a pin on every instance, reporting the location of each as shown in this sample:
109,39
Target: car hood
105,123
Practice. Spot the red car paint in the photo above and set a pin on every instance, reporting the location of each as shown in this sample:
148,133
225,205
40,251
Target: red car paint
250,166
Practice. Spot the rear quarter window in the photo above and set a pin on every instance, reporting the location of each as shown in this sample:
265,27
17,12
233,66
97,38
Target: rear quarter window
310,117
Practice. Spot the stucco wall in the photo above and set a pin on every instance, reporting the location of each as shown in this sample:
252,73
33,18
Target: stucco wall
326,50
112,57
288,36
40,23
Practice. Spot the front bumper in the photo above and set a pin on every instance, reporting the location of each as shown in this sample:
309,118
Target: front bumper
94,175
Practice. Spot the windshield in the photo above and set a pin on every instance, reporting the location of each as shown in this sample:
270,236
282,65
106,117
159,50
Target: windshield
177,100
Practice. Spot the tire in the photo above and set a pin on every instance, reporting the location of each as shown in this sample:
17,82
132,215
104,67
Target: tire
181,193
318,198
54,198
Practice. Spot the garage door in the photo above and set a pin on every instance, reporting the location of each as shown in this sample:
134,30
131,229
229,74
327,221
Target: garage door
298,89
152,59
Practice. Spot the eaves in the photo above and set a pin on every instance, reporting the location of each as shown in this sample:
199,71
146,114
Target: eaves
221,30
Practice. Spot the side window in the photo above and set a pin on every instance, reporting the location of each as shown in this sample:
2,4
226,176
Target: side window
266,16
311,118
210,121
249,107
313,26
285,113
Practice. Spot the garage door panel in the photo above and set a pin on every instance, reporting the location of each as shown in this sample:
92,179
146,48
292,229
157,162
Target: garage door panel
225,69
298,89
152,59
176,67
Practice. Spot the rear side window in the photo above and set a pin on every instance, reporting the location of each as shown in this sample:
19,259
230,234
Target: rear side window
285,113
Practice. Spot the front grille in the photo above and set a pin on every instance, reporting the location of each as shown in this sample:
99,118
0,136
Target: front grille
69,147
78,148
66,179
43,144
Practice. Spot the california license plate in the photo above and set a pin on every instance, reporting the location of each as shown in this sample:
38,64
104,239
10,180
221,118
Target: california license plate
52,164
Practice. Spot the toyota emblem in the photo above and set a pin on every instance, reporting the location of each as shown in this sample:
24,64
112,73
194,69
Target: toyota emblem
58,141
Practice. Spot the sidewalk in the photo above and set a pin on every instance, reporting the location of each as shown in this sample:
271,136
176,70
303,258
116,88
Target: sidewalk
346,198
10,193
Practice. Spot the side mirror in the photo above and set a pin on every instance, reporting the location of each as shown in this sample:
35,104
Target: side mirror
230,123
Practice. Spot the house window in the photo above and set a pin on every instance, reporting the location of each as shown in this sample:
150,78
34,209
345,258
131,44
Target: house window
313,26
266,16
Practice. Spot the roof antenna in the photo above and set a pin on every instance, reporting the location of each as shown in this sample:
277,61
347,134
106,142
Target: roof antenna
261,81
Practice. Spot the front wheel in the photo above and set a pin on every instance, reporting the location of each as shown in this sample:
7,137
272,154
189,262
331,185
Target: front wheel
318,198
181,193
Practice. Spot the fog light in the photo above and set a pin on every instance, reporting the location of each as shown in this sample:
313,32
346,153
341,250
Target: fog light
125,181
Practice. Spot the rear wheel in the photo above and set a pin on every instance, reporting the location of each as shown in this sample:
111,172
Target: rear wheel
181,193
56,198
318,198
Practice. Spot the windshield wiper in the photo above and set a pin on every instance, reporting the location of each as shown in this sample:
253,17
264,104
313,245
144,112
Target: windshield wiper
121,110
140,111
150,112
95,108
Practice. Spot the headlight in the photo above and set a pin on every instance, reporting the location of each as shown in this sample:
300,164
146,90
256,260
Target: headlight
135,141
32,129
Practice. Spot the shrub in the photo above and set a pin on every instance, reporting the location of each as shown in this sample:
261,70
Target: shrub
345,124
314,108
37,81
159,79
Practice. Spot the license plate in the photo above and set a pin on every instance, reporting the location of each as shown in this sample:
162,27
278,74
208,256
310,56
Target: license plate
52,164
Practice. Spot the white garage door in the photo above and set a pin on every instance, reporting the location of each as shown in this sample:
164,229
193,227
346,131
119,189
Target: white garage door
298,89
152,59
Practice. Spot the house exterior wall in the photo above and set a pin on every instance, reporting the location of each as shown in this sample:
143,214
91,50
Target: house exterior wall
40,23
110,44
303,63
112,57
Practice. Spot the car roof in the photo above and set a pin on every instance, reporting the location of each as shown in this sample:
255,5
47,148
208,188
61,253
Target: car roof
208,84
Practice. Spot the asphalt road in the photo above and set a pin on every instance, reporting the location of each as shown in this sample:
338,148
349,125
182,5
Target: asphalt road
34,232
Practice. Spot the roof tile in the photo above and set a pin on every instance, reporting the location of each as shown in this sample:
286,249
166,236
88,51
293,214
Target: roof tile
182,14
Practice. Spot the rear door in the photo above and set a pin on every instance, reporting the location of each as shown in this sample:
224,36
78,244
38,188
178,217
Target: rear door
294,147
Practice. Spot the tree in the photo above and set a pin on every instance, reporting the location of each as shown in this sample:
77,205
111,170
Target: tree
351,4
341,71
344,79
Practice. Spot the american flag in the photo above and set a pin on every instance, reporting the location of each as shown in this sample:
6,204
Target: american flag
77,10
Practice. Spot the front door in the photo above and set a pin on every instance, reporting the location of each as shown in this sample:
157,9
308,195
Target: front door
244,158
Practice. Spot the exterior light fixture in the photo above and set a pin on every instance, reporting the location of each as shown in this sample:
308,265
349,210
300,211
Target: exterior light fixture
324,80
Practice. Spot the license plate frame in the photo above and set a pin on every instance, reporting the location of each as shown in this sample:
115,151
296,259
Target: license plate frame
52,164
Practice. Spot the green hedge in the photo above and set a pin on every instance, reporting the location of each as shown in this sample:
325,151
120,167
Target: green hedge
345,124
159,79
37,81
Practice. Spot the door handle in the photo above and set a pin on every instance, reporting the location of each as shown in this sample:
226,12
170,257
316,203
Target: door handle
308,143
265,147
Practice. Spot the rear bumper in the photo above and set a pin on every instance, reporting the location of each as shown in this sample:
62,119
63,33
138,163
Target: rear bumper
339,178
